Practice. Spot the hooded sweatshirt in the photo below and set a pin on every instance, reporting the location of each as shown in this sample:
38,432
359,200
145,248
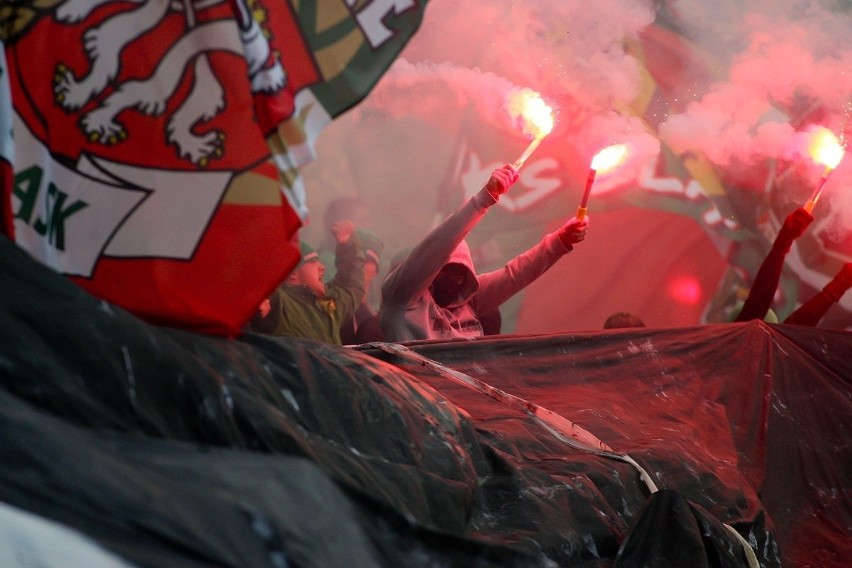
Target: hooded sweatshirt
409,311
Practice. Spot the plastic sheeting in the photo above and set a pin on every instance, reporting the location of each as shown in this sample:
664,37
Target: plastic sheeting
750,421
173,449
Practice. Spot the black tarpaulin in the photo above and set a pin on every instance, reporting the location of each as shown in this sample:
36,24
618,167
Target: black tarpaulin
173,449
750,421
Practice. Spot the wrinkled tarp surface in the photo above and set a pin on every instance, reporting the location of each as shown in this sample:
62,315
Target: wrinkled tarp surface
168,448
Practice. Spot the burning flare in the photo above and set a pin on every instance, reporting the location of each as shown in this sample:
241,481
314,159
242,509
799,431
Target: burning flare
824,149
609,158
536,119
604,161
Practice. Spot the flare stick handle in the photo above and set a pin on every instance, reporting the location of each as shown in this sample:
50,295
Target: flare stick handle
811,203
584,204
527,153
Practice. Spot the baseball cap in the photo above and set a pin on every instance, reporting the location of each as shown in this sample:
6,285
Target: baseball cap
308,253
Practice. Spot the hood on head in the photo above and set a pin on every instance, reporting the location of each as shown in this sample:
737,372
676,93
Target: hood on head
461,256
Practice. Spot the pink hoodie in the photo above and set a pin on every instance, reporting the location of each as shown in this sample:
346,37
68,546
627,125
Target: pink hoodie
409,311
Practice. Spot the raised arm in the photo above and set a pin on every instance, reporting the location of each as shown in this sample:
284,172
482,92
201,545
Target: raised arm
498,286
414,275
347,286
812,311
766,280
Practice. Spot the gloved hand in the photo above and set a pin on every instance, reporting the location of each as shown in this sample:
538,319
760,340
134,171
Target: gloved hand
794,226
369,241
501,180
573,231
840,283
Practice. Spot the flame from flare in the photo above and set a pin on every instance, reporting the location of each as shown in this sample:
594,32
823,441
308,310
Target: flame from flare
537,116
609,158
825,148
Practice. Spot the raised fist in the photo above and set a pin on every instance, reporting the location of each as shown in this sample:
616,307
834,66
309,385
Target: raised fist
342,231
501,180
573,231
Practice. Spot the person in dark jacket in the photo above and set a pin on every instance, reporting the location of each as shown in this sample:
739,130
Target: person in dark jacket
762,290
811,312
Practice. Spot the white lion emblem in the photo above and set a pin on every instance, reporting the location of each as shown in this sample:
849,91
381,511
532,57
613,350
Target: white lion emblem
105,42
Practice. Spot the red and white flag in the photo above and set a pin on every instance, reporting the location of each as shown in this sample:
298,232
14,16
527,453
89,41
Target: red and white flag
157,144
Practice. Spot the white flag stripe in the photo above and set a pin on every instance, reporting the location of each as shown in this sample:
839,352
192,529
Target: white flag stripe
173,217
70,245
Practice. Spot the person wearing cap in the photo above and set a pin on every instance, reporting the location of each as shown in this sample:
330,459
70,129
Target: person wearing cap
304,305
435,293
364,326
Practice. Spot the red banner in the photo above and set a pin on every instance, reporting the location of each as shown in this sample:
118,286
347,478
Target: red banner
158,145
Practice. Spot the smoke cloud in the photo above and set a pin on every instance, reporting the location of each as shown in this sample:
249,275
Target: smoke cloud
785,66
754,78
777,66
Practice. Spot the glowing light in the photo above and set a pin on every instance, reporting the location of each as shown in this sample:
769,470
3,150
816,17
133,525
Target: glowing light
825,148
604,161
609,158
685,290
536,119
535,115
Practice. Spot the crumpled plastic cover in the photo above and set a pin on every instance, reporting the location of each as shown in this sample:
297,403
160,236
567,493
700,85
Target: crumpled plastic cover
169,448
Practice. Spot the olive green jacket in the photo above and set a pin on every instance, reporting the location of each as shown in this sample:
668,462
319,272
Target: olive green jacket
296,311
